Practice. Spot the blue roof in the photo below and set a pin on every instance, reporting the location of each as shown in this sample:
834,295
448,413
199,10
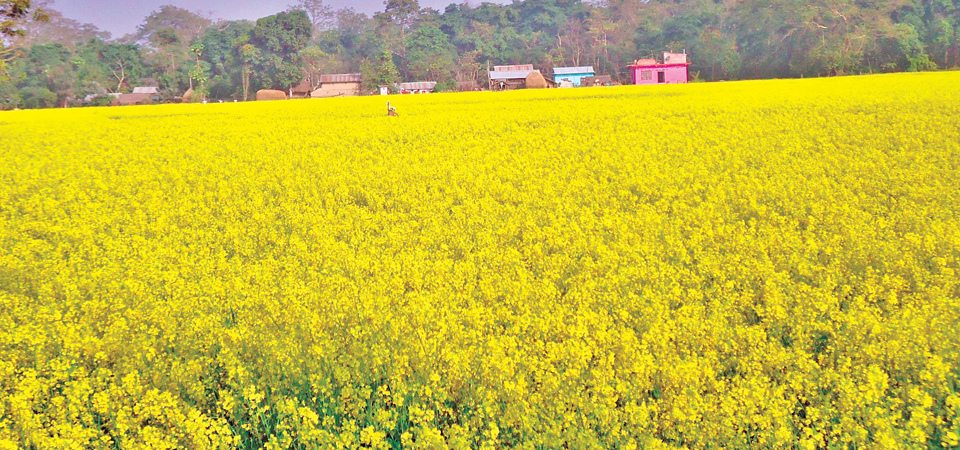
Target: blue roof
572,70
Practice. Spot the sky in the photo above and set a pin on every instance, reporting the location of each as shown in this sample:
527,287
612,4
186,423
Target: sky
121,17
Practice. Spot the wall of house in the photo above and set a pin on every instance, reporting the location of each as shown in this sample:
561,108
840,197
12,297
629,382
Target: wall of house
512,83
675,74
336,90
575,78
638,75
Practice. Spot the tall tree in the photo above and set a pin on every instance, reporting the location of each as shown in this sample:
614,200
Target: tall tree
183,24
199,73
322,16
13,16
222,45
93,60
353,38
51,67
53,27
280,38
379,72
315,63
167,35
600,31
9,94
396,22
250,58
124,62
430,54
467,71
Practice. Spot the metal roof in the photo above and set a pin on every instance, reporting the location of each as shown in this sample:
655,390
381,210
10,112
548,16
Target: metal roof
511,75
513,68
146,90
341,78
572,70
419,86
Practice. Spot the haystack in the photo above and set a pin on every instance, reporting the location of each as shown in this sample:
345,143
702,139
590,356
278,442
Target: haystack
270,94
188,96
536,81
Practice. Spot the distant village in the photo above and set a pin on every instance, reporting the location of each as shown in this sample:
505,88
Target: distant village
672,69
311,50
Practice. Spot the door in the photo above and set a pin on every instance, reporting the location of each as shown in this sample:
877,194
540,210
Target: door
661,77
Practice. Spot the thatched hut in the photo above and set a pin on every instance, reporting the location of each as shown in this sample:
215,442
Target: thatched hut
301,90
270,94
535,80
509,77
135,99
338,85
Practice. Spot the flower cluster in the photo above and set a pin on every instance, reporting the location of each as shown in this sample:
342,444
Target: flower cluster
767,264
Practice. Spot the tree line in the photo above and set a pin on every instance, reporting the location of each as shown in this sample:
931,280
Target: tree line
50,60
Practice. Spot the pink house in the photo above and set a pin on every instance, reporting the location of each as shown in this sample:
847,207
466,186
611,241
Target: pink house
649,71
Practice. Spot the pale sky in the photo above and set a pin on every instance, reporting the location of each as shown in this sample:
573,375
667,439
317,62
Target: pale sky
120,17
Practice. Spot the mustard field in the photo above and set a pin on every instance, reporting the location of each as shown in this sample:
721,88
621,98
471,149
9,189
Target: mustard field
768,264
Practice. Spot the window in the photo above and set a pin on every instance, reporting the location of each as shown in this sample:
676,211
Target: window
646,75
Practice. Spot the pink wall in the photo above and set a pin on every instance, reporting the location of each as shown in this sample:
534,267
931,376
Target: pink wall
673,73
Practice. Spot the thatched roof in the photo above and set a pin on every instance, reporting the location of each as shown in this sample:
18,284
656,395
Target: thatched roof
134,99
303,88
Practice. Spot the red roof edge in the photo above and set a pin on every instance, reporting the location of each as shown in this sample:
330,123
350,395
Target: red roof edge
660,65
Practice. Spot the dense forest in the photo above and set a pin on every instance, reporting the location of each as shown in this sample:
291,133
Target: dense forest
50,60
